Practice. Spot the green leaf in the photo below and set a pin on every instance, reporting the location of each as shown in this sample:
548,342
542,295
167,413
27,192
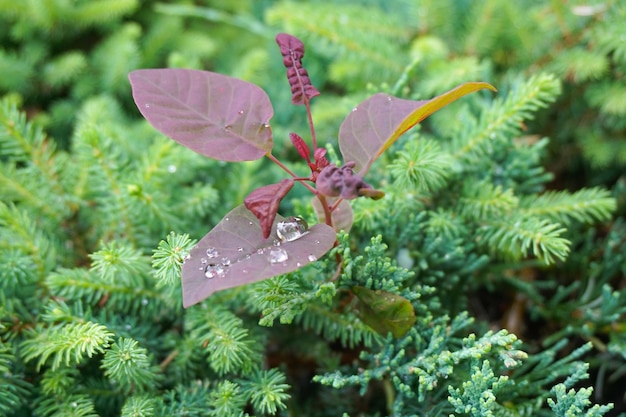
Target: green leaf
385,311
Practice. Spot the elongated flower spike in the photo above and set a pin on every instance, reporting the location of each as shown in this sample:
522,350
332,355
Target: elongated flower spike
292,50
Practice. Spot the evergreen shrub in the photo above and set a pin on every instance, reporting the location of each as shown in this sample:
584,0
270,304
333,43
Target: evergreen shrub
501,235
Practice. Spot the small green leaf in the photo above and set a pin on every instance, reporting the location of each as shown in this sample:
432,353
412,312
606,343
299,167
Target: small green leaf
384,311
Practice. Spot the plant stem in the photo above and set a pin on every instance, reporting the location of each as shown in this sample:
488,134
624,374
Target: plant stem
280,164
336,204
290,172
328,219
307,104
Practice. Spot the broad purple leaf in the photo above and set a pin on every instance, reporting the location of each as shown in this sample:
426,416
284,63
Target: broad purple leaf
235,253
342,217
264,201
375,124
212,114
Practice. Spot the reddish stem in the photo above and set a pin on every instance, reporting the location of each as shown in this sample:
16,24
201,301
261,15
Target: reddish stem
290,172
307,105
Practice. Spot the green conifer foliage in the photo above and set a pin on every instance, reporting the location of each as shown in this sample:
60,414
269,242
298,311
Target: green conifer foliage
502,223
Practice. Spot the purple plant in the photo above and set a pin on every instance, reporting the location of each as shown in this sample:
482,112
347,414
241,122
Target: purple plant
229,119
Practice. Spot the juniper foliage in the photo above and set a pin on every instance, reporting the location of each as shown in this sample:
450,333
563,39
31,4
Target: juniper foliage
502,225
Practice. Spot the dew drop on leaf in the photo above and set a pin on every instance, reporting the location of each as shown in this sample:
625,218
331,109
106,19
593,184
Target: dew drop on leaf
239,249
203,260
312,258
211,253
214,271
277,255
291,228
240,111
225,261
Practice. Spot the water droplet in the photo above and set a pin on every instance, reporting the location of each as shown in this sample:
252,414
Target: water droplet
389,98
266,125
240,112
259,251
276,242
298,264
171,168
227,127
312,258
250,223
225,261
248,256
211,252
245,271
214,271
277,254
355,109
147,106
227,219
240,249
317,242
291,228
203,260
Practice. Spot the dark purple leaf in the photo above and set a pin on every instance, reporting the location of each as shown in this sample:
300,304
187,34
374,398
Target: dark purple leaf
212,114
292,50
384,311
235,253
342,182
374,125
342,216
301,146
263,202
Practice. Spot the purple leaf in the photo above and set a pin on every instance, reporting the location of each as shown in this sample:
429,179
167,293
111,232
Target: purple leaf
212,114
235,253
292,50
301,146
341,182
264,201
374,125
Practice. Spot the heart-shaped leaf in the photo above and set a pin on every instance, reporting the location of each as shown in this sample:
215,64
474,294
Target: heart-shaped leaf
212,114
235,253
374,125
384,311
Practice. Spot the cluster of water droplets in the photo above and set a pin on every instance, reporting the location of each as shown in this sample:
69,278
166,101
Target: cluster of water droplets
214,265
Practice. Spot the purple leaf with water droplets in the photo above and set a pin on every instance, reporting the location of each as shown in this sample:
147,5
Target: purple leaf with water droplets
236,254
214,115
